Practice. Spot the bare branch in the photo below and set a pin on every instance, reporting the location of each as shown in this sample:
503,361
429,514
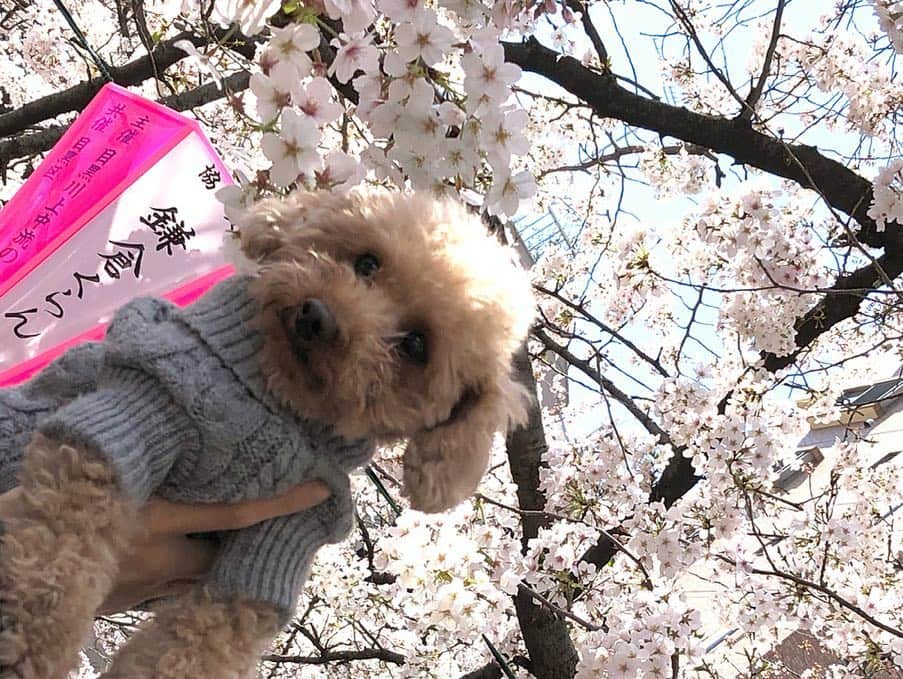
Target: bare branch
338,657
558,609
591,32
584,366
38,142
841,188
687,25
756,92
604,327
629,150
77,97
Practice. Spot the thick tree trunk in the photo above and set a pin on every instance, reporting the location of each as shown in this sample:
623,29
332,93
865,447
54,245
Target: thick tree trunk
546,635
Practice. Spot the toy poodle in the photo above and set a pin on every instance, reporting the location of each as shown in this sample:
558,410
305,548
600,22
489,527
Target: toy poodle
369,318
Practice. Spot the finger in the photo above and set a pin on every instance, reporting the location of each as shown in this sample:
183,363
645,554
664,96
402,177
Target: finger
296,499
301,497
123,598
164,559
161,517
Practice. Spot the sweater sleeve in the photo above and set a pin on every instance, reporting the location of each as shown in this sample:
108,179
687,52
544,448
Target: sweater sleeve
22,407
270,561
130,419
345,454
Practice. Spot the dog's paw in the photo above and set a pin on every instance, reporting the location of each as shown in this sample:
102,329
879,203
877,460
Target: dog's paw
433,485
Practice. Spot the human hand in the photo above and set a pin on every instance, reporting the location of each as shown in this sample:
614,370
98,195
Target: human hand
163,559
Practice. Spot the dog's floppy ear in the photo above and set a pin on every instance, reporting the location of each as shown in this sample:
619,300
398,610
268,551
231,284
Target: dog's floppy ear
443,465
261,229
271,224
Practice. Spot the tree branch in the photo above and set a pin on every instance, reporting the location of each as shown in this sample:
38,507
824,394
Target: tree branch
840,302
38,142
690,30
584,366
134,72
841,188
338,657
629,150
590,29
488,671
604,327
546,636
756,92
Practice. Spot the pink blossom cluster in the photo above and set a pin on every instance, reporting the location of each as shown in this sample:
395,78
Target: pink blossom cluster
839,62
761,251
887,204
428,101
890,18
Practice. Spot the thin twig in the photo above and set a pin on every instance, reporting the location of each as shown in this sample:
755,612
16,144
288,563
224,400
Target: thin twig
558,609
750,105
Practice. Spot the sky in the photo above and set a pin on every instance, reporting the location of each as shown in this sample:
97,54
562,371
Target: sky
638,26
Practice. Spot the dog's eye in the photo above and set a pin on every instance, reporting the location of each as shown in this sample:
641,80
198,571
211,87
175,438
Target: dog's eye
413,347
366,265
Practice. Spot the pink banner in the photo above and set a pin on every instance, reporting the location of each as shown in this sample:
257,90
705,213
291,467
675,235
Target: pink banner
114,140
122,206
181,296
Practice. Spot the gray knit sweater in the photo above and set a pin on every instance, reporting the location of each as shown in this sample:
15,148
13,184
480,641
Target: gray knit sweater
175,399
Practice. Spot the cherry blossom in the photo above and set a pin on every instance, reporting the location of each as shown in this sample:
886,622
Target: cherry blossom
354,53
487,77
502,136
458,159
403,76
356,15
291,44
237,197
887,205
251,16
294,149
315,101
401,10
276,91
384,118
203,61
890,16
423,37
340,172
507,191
418,124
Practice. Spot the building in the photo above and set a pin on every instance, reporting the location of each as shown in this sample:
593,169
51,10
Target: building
871,414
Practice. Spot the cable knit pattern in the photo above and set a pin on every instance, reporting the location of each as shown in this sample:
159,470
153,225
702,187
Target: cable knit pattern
174,398
72,374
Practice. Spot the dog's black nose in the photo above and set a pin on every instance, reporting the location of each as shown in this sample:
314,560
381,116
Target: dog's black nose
315,321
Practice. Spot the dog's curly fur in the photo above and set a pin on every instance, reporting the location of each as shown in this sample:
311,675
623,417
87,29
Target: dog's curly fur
58,558
439,274
198,635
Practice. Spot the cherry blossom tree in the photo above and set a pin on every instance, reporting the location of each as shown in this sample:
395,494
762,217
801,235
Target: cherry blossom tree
730,184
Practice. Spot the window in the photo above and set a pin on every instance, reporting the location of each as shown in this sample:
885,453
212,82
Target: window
872,393
884,460
794,474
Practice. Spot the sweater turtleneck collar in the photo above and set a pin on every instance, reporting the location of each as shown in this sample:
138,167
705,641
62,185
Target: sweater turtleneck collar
226,319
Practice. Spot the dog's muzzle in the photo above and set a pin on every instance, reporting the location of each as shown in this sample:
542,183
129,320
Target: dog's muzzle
314,322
